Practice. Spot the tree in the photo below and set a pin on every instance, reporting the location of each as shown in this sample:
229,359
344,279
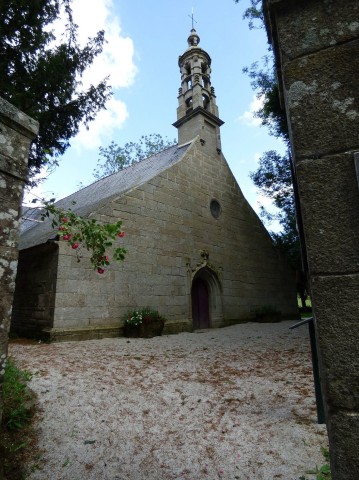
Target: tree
274,179
253,13
115,158
271,113
42,76
274,176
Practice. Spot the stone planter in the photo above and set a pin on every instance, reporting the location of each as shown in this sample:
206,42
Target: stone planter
148,329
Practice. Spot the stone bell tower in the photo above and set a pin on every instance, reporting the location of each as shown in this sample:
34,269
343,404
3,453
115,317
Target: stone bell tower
197,112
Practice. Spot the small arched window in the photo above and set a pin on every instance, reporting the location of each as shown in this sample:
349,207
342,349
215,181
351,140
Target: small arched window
189,104
205,101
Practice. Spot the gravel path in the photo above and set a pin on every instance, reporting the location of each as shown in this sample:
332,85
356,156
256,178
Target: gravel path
231,403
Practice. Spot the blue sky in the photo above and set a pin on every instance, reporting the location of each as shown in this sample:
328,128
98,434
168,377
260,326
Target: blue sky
145,39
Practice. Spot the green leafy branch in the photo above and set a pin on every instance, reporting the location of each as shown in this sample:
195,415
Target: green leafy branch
81,232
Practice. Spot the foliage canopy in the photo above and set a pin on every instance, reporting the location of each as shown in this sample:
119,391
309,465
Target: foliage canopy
41,74
115,157
253,13
274,174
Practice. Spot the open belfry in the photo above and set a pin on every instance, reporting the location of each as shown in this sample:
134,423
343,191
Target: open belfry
197,112
197,251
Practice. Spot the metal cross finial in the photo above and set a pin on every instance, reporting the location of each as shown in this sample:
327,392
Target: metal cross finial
193,20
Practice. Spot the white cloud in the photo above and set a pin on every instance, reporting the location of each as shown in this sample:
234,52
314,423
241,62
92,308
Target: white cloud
263,201
248,117
103,127
116,61
30,195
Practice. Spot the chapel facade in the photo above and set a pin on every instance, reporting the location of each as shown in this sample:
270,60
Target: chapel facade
197,252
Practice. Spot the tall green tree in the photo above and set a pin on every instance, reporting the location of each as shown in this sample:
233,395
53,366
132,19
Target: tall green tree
41,74
253,13
274,179
115,158
274,174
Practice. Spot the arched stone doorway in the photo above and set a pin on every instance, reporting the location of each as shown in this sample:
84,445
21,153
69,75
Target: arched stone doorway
206,299
200,304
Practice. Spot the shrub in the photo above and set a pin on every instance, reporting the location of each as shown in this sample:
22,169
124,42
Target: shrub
18,440
17,398
143,315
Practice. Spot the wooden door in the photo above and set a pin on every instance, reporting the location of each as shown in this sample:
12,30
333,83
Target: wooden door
200,304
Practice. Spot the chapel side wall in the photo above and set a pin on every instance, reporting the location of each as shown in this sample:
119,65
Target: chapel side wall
317,49
84,299
34,298
168,224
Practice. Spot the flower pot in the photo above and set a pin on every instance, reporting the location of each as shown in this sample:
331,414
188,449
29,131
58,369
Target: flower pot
147,329
152,328
132,331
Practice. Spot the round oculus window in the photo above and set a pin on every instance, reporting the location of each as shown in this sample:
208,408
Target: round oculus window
215,208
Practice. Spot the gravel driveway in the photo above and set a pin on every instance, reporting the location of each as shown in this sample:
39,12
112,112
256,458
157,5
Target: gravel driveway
230,403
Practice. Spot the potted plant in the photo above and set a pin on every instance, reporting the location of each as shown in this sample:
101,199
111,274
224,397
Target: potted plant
143,323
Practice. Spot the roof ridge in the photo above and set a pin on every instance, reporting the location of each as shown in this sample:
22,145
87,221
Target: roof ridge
92,197
133,165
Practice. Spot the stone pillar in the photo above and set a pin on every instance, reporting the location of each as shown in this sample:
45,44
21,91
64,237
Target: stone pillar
316,45
16,133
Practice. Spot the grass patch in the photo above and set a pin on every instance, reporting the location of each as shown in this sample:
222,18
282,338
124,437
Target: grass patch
304,315
17,398
321,473
17,439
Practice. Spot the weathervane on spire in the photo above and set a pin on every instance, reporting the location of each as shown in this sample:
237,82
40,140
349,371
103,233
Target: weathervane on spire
193,20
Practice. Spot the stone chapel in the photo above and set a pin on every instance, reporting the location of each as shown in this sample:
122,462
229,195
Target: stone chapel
197,252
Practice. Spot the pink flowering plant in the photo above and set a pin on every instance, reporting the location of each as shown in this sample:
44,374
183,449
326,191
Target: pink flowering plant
87,233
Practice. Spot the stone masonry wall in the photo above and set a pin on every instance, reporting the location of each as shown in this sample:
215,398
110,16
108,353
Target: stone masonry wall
16,132
317,50
168,224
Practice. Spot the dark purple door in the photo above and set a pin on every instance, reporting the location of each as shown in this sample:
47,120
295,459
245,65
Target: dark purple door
200,304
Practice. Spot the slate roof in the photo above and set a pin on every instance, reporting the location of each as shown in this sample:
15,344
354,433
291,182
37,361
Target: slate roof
92,197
